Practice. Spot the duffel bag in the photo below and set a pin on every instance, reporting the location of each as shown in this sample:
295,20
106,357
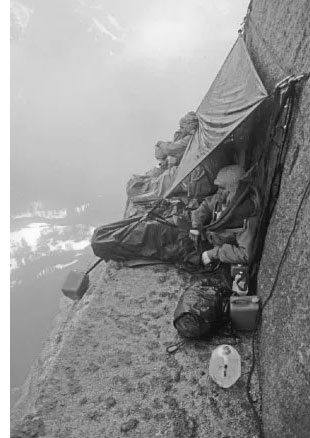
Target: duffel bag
201,310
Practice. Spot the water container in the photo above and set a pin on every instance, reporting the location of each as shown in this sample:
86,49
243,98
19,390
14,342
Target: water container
243,312
240,282
75,285
240,286
225,366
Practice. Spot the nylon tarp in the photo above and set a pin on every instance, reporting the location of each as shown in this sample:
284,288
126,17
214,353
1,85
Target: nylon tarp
234,94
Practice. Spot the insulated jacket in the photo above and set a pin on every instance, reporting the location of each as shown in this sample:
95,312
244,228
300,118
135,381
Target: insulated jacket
172,148
230,231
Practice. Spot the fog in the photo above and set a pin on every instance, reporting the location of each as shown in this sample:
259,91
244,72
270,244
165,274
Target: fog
94,84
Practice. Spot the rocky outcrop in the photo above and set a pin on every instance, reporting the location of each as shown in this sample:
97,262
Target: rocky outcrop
105,371
278,39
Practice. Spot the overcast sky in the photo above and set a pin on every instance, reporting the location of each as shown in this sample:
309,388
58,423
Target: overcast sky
95,83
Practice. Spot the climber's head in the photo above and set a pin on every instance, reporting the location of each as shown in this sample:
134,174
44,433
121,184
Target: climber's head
228,179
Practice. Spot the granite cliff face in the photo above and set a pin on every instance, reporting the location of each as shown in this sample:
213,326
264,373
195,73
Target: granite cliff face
105,372
278,39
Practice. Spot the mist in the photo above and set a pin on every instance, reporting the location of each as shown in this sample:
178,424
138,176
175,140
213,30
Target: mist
94,85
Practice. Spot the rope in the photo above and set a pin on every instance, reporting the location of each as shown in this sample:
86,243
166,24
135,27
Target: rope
270,192
287,104
287,245
257,417
259,315
279,166
93,266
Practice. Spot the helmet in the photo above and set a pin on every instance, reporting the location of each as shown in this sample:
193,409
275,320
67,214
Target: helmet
229,175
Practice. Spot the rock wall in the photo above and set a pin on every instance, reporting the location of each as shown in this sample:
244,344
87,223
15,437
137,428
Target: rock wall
105,372
277,35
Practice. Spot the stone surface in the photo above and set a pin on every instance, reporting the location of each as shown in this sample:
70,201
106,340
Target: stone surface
105,372
110,375
279,43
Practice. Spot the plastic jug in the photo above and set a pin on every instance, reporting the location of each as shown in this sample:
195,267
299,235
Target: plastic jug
225,366
244,311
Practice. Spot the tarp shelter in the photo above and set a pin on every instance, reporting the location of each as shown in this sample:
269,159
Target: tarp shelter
234,94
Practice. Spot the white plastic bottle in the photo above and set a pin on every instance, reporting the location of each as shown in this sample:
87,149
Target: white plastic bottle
240,285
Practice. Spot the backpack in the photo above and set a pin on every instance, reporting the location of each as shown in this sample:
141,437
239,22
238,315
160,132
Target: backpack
202,308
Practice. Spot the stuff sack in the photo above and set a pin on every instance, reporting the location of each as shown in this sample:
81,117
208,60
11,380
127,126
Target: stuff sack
138,238
202,309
